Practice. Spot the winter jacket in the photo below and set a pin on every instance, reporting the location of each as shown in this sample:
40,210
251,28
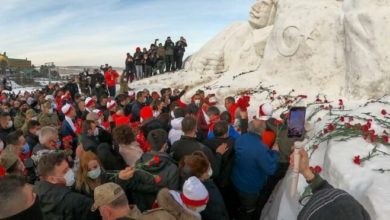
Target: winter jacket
330,203
169,209
161,53
253,164
223,179
169,48
48,120
166,169
175,133
4,133
135,111
110,158
150,125
32,140
188,145
66,129
61,203
19,120
215,208
111,78
138,57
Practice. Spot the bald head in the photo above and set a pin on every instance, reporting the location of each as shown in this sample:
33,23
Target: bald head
256,126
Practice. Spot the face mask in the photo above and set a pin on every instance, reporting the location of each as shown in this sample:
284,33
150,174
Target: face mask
51,111
10,124
26,148
96,132
54,105
69,178
94,174
99,121
200,209
210,172
156,114
34,118
34,210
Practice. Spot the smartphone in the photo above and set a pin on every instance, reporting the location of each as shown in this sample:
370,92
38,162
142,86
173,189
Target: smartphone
296,122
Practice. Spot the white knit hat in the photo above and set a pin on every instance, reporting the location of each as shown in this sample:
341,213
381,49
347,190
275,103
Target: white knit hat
89,101
111,104
194,192
265,111
66,109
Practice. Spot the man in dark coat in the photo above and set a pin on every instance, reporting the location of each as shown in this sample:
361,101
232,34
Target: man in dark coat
6,127
56,199
189,144
137,106
169,51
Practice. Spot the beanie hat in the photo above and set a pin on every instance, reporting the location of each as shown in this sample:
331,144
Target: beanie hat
265,111
194,192
146,113
212,100
66,109
111,104
89,102
98,112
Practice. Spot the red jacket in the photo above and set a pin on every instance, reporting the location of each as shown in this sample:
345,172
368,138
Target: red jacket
111,78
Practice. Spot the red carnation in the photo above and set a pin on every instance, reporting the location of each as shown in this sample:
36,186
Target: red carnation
341,103
273,92
357,160
318,100
156,159
326,101
331,127
317,169
385,139
243,103
342,119
348,125
383,112
157,179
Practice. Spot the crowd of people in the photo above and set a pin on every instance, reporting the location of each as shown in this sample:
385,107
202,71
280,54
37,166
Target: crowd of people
147,155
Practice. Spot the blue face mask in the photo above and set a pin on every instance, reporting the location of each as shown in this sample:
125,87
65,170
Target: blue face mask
59,143
94,174
26,148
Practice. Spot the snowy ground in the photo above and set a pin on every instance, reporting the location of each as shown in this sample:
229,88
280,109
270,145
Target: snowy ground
335,157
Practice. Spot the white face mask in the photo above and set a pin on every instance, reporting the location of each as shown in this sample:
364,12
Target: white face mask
96,132
99,121
94,174
200,209
34,118
197,102
210,172
51,111
156,114
10,124
69,178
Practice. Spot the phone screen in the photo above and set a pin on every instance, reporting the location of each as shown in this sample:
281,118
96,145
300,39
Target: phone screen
296,122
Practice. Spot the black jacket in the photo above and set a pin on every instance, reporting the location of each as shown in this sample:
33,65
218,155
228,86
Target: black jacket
4,133
188,145
60,203
223,179
215,208
135,111
168,172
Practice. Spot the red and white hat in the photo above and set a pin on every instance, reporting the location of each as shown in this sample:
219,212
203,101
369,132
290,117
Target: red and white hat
98,112
89,102
66,109
212,100
265,111
194,192
131,94
111,104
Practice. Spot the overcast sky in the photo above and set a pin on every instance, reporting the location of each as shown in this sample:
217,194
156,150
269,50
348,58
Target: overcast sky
94,32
